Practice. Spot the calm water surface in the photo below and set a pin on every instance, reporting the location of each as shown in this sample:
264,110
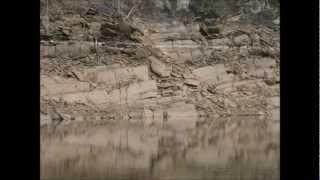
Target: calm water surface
228,149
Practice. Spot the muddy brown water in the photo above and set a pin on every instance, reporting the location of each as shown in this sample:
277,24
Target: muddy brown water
244,148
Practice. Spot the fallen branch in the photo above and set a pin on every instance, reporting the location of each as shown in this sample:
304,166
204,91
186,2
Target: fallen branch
128,15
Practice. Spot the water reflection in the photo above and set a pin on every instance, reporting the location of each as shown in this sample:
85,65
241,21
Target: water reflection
233,148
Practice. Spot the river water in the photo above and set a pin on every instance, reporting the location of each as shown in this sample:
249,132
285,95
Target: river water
245,148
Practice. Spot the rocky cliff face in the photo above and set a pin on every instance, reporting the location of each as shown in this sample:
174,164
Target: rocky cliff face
169,99
258,11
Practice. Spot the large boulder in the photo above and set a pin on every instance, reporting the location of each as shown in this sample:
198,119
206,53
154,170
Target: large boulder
213,74
159,68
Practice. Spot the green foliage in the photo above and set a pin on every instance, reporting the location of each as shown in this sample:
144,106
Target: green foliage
216,7
207,7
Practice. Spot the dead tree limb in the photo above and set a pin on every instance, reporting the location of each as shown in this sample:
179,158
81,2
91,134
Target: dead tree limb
130,12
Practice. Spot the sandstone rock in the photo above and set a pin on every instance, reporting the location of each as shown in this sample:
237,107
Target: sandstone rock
97,97
244,51
220,42
230,103
113,75
172,53
232,86
272,81
167,92
192,82
242,40
155,51
274,101
47,51
213,74
150,94
79,118
142,53
138,90
95,28
265,62
168,100
185,44
196,53
66,117
133,94
177,27
266,73
79,97
164,45
73,50
159,67
194,27
186,54
57,85
166,85
140,73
